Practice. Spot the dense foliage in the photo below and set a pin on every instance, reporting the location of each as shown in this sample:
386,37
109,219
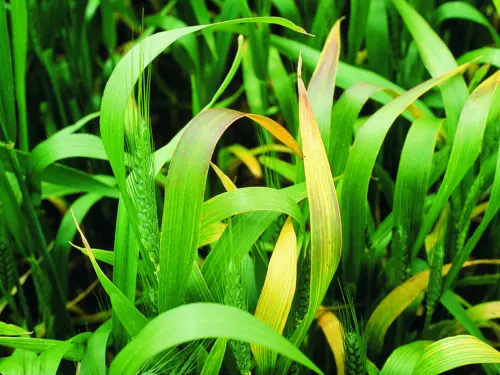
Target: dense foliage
147,227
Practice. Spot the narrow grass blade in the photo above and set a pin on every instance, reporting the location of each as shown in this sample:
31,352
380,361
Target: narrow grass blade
94,359
438,60
247,228
19,18
484,311
452,304
465,150
61,147
108,25
226,181
453,352
129,316
247,158
74,351
124,77
345,112
203,17
211,233
288,9
255,89
12,330
248,199
357,26
182,212
404,359
67,230
396,302
230,75
125,267
198,321
411,185
332,329
283,168
466,11
325,221
214,361
277,293
378,44
49,360
7,106
491,212
347,75
326,232
283,88
360,164
322,84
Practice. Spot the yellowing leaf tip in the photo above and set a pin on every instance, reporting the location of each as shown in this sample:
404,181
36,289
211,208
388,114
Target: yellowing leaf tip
299,66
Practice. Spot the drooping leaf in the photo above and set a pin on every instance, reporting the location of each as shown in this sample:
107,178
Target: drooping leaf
198,321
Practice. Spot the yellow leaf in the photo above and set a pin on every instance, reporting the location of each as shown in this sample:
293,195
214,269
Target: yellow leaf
247,158
226,181
326,229
278,131
397,301
211,234
485,311
277,294
453,352
332,328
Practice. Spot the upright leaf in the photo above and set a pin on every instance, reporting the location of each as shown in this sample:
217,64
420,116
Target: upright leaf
7,106
325,222
322,84
438,60
277,294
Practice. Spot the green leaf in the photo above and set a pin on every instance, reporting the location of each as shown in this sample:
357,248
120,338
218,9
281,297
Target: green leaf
94,359
463,10
214,361
438,60
248,199
357,27
412,183
404,359
202,16
465,150
283,88
325,221
247,228
322,84
131,318
491,212
230,75
378,45
347,75
453,352
12,330
7,106
74,351
359,167
121,83
281,167
125,260
108,24
19,18
199,321
184,192
67,230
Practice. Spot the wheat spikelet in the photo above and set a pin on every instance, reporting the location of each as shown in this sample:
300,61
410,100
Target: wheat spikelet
141,183
435,282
